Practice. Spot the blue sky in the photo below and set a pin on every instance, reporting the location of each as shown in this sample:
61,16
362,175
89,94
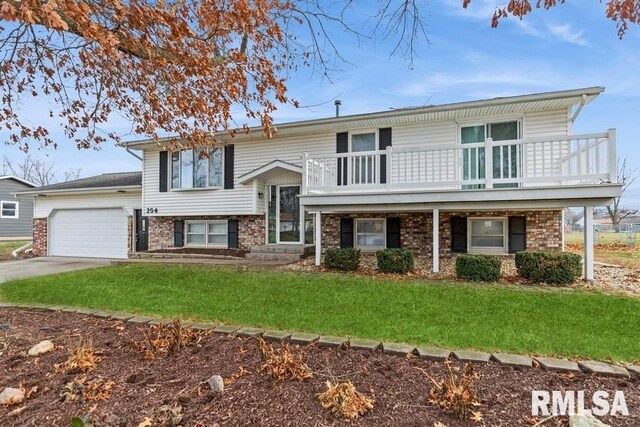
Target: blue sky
572,46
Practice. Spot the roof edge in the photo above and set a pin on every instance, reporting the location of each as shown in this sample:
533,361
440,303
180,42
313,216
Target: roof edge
408,111
24,181
80,190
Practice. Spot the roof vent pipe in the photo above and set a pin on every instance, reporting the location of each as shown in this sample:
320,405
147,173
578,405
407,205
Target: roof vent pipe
338,104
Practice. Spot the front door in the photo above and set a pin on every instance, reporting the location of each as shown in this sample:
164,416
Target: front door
288,220
142,232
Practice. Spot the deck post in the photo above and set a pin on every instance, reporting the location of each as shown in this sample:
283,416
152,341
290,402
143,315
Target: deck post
436,240
588,243
613,156
318,237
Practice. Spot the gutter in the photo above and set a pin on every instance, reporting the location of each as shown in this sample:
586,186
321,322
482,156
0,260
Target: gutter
80,190
128,150
410,111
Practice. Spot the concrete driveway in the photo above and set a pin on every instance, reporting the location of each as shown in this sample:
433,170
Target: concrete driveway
32,267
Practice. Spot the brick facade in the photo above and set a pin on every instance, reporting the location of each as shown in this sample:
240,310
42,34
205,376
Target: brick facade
544,229
251,230
39,236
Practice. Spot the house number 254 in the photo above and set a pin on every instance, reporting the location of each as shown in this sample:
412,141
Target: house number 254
151,210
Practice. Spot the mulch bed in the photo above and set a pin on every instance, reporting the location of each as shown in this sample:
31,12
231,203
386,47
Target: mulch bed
142,386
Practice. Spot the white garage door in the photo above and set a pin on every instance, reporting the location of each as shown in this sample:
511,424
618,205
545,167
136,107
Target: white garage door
98,233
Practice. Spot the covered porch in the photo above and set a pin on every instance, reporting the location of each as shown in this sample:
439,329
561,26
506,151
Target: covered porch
442,229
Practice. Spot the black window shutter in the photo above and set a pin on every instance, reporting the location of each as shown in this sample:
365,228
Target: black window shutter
384,141
342,146
346,232
458,234
178,233
164,171
228,166
517,234
393,232
232,233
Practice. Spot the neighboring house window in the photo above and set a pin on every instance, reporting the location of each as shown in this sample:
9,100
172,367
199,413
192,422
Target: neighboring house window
370,234
487,234
188,170
363,166
207,233
506,159
8,209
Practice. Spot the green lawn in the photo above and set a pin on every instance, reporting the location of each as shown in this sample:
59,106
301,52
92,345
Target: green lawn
449,315
602,238
7,247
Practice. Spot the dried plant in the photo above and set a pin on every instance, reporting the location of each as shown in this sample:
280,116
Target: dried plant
344,400
90,391
165,338
454,393
283,363
83,358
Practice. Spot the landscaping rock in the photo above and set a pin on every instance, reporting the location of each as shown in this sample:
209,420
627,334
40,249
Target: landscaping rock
216,383
634,368
513,359
141,319
200,326
551,364
276,335
331,341
86,311
121,316
361,344
5,326
584,420
250,332
472,356
226,329
603,369
302,338
41,348
11,396
433,353
399,349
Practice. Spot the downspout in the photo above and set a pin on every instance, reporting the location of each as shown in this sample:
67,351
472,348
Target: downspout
128,150
583,101
22,248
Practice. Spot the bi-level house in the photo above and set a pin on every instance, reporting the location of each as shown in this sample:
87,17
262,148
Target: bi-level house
488,176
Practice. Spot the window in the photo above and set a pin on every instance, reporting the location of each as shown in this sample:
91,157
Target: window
506,159
189,170
487,234
363,168
207,233
370,234
8,209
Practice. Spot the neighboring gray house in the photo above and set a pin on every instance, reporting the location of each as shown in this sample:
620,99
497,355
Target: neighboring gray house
16,213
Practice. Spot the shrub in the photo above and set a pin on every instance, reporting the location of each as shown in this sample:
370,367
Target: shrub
395,260
347,259
478,268
554,268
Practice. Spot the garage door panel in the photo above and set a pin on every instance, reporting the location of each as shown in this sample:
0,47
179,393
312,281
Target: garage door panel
89,233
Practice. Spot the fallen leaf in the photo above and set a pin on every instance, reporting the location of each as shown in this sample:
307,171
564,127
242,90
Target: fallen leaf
145,423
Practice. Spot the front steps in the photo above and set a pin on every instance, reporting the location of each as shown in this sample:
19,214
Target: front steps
285,253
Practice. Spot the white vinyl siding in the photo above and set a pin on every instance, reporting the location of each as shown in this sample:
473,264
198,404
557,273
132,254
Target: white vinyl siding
130,200
250,155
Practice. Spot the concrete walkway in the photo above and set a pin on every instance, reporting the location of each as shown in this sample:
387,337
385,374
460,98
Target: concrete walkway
32,267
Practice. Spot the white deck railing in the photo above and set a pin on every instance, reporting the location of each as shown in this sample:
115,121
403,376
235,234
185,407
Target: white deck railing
552,161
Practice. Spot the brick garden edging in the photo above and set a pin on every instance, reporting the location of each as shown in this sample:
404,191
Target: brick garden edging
393,348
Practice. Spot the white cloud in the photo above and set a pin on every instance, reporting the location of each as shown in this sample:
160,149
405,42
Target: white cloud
567,33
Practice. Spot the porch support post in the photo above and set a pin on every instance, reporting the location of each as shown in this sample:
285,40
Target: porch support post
436,240
588,243
318,237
